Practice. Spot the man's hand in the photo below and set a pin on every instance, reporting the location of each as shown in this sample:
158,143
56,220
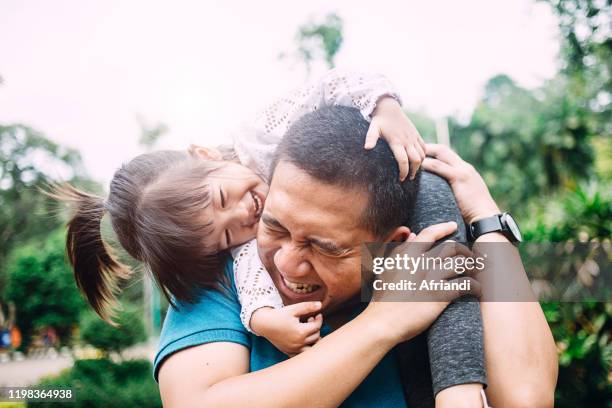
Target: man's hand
392,124
471,192
417,310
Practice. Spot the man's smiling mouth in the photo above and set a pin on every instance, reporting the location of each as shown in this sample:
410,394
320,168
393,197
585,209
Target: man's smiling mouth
300,287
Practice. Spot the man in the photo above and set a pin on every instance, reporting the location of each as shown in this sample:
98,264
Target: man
310,235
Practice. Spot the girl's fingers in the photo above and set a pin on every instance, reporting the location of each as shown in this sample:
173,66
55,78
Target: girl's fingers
420,150
422,144
399,151
314,326
303,308
305,348
415,161
372,135
312,339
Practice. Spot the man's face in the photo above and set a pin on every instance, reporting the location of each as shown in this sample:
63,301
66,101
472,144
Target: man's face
309,238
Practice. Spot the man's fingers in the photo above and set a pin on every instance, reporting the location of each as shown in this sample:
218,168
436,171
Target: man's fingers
372,135
444,273
449,249
439,167
442,153
436,232
402,159
304,308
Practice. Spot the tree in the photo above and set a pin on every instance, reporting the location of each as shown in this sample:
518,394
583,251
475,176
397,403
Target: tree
130,330
586,56
150,133
40,284
527,143
319,41
29,160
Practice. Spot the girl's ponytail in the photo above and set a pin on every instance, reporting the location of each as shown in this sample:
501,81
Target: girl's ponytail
96,270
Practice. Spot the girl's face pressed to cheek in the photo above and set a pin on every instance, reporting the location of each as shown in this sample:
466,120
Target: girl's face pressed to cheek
237,199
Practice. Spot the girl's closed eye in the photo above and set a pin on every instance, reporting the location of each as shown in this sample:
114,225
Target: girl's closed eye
222,196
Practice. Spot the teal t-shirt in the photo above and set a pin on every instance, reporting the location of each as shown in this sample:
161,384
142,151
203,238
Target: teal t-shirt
216,317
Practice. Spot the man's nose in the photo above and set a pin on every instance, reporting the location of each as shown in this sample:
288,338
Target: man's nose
290,261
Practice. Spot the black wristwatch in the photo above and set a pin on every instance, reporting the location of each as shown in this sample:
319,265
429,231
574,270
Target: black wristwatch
503,223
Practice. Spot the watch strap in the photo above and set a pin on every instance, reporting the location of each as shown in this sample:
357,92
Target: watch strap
486,225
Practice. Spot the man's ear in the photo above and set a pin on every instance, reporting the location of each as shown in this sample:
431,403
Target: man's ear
400,234
208,153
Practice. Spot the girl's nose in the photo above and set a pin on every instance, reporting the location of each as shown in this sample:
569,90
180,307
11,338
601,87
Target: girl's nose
240,215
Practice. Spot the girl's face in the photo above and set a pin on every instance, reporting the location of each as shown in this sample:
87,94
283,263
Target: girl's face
237,200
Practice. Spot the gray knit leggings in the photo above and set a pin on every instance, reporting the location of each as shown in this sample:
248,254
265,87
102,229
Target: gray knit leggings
451,351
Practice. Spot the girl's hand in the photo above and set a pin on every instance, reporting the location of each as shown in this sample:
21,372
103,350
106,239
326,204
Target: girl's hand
392,124
283,328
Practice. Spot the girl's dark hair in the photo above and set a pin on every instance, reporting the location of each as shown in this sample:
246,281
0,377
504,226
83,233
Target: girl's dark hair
155,205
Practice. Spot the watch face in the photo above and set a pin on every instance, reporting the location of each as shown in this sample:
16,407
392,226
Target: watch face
513,227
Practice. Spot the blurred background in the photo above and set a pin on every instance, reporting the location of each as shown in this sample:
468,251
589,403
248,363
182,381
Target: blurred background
520,89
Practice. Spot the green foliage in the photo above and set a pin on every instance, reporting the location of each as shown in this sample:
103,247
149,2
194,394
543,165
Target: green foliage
319,40
582,332
103,383
583,214
41,285
527,143
603,158
98,333
586,55
29,160
150,133
425,125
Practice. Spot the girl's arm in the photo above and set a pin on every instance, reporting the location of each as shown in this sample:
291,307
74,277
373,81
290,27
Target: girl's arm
255,141
253,283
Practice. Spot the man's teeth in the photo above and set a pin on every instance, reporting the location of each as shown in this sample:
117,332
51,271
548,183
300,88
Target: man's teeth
300,287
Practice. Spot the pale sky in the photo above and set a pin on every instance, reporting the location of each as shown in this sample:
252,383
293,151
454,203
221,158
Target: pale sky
82,71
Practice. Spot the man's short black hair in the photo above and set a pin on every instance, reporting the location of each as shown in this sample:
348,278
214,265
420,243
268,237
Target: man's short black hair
328,144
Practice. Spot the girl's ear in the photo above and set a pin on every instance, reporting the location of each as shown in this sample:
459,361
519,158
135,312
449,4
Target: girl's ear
400,234
208,153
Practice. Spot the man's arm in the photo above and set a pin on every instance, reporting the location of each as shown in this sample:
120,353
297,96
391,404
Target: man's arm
520,350
216,374
519,346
